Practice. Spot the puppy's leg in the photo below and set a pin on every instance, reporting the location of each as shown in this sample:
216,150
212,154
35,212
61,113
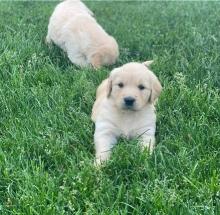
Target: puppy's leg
96,61
48,39
78,59
104,142
147,142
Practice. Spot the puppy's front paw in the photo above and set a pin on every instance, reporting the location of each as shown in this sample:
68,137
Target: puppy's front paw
48,40
101,159
96,66
96,61
148,142
98,163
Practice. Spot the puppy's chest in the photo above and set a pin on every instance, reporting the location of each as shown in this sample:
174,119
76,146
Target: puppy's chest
133,126
128,128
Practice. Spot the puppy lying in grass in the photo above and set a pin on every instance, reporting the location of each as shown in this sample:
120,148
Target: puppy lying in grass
73,28
124,106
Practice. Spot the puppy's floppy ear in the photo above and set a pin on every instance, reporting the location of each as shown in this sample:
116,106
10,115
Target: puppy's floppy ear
148,63
110,79
109,87
156,88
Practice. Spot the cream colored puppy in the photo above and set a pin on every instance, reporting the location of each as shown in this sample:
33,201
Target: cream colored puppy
124,106
73,28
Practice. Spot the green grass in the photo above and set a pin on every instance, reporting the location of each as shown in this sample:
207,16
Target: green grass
46,134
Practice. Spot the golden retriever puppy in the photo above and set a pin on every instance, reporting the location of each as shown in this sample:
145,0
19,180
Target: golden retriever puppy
124,107
73,28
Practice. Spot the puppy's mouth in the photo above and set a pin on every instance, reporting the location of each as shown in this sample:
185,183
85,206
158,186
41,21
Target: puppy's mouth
130,108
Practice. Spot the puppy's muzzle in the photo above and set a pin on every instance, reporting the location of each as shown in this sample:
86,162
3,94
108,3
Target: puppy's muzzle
129,101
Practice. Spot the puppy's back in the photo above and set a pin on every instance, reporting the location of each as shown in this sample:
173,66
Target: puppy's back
75,6
68,9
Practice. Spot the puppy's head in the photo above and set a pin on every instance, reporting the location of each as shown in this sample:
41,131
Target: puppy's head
106,54
133,86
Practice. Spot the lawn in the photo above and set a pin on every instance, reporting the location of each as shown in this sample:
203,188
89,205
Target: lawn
46,134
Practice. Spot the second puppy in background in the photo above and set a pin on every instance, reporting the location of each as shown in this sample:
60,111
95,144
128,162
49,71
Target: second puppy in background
73,28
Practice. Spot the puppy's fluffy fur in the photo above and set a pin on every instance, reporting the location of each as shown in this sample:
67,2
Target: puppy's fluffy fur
114,113
73,28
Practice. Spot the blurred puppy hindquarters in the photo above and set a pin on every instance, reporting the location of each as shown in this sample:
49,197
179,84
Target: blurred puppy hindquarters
124,106
73,28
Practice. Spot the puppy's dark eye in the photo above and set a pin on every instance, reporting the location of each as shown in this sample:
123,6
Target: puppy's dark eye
121,85
141,87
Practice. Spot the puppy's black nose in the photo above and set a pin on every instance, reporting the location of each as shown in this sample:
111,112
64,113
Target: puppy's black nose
129,101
